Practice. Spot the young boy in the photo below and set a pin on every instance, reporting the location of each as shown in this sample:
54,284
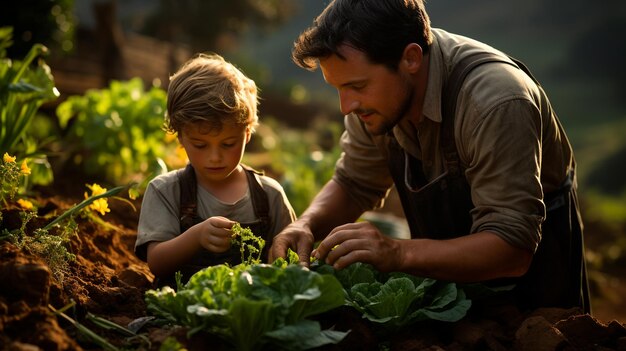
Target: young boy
186,215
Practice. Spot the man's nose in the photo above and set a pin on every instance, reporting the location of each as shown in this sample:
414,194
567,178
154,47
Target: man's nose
347,103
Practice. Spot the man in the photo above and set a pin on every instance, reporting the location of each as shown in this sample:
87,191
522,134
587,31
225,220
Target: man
482,165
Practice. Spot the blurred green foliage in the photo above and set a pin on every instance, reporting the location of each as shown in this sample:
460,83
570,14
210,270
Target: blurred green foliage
304,159
606,208
117,132
600,152
24,86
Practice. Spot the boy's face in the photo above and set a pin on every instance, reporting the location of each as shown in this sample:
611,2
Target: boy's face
214,154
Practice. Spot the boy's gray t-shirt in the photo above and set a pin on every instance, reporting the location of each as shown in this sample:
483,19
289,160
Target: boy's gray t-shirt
160,208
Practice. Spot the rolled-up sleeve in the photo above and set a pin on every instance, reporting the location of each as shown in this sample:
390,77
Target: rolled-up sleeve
504,173
362,169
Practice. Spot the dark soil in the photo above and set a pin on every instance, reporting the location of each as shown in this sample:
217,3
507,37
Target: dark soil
107,280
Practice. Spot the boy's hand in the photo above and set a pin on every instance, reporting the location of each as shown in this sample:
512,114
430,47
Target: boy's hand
215,234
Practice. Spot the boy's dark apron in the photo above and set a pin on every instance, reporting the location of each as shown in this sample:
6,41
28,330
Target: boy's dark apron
189,217
440,209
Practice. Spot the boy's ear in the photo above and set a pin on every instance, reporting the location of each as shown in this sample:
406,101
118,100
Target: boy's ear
248,134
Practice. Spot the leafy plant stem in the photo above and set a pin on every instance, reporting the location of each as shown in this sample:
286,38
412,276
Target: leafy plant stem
83,329
84,204
108,325
36,50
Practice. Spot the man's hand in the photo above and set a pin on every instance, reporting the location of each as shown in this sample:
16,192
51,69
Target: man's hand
360,242
296,237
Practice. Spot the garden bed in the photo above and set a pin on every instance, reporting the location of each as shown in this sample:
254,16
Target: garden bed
107,280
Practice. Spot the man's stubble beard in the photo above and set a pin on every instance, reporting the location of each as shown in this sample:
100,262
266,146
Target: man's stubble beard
387,124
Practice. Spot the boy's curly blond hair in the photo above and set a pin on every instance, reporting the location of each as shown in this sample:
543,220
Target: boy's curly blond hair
209,90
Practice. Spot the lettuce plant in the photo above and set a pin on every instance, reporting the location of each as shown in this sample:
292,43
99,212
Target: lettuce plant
252,306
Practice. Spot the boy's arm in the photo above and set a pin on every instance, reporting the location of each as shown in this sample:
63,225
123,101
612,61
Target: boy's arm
166,257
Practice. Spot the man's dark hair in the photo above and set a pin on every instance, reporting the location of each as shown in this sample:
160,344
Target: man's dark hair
379,28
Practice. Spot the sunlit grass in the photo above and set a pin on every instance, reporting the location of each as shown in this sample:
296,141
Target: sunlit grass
605,208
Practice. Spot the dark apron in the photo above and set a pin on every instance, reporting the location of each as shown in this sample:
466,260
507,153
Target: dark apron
440,209
189,217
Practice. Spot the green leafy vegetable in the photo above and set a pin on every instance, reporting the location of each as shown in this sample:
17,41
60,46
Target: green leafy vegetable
398,299
292,258
116,132
248,243
253,305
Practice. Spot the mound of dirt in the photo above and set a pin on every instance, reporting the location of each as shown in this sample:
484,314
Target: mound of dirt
107,280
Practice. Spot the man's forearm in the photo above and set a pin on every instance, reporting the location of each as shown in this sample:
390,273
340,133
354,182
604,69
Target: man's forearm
330,208
471,258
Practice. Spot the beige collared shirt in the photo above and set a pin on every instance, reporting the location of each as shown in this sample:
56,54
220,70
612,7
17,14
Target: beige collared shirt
509,140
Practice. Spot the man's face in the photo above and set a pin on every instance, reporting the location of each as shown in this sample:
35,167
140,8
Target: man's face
378,95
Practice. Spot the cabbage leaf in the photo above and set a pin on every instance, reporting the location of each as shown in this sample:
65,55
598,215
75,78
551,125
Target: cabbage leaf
251,306
398,299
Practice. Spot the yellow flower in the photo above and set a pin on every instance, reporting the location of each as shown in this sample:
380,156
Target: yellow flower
25,204
96,189
25,168
100,205
7,158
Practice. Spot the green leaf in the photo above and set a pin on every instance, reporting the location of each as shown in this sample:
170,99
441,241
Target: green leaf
453,312
356,273
399,299
250,320
23,87
84,204
304,335
445,295
6,34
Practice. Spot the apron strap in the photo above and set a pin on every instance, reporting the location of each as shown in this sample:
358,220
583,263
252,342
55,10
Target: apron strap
259,198
189,217
451,89
562,225
188,202
261,205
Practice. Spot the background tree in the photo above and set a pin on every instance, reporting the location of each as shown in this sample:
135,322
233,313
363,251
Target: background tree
213,25
49,22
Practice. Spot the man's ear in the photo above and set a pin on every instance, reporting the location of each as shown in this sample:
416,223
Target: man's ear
412,58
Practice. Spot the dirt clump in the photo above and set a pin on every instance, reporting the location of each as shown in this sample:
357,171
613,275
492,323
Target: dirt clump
105,279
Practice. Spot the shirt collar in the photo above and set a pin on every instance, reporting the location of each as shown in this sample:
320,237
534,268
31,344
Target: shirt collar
404,131
434,86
